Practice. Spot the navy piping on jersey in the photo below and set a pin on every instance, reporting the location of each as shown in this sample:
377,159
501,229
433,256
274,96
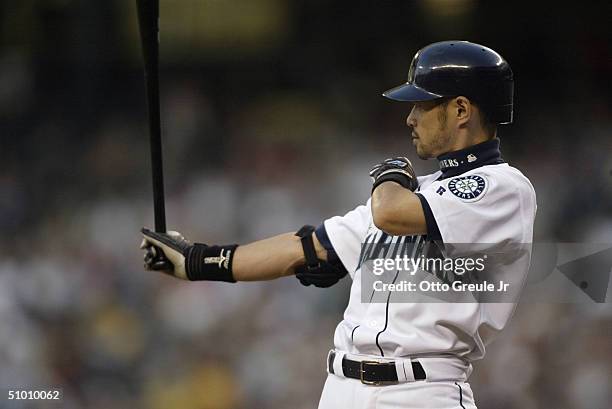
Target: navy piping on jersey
353,332
458,162
386,317
433,232
460,395
323,238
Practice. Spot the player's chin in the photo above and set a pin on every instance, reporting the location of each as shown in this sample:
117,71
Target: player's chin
421,152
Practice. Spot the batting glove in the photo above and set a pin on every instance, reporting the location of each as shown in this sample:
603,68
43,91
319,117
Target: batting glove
165,252
172,254
398,170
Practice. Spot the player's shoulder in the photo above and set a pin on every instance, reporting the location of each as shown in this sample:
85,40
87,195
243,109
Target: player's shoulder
505,172
503,176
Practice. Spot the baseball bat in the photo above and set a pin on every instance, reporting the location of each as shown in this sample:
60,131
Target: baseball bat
148,21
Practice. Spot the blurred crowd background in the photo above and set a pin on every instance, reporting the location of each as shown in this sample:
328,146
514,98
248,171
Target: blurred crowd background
272,117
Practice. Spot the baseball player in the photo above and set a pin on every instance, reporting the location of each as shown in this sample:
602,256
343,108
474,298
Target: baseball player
393,351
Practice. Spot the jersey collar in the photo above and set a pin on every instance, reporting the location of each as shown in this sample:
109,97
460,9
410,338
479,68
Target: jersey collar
458,162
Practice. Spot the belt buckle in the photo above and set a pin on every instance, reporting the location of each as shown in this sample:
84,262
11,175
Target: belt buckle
362,371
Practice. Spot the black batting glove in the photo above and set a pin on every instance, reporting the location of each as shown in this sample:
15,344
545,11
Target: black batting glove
398,170
172,254
165,252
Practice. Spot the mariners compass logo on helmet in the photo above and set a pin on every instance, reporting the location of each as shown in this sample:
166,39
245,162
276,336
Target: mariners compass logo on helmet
468,188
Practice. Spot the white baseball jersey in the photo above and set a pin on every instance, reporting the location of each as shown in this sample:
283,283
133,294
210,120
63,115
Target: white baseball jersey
474,198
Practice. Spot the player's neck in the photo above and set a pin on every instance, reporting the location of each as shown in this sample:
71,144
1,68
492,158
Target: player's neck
457,162
464,138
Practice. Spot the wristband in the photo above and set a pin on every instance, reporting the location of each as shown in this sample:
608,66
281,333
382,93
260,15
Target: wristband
210,263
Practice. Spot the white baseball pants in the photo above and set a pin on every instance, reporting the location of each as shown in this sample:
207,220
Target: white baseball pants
346,393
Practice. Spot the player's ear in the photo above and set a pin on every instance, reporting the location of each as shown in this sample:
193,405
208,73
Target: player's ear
463,110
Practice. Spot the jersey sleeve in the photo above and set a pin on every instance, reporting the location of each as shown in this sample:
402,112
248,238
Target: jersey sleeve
346,233
481,208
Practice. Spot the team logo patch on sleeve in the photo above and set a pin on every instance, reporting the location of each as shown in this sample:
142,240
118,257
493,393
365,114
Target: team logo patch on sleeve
468,188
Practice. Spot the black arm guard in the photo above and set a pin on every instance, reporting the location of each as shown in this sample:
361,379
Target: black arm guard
318,272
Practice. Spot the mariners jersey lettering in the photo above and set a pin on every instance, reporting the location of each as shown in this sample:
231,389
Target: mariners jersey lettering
487,204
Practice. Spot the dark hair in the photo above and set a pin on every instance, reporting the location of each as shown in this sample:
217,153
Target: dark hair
487,124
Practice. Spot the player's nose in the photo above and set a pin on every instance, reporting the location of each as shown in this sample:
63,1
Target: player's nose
410,120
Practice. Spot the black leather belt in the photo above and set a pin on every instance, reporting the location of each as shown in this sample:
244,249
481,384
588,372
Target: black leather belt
372,372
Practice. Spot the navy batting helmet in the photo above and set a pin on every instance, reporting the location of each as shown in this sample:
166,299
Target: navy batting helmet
453,68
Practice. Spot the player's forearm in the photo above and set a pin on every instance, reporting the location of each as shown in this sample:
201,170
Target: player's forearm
268,259
271,258
397,211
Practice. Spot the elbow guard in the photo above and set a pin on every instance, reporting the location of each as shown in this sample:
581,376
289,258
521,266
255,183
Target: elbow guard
318,272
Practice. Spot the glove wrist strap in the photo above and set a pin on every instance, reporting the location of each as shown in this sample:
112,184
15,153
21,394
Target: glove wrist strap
397,177
210,263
